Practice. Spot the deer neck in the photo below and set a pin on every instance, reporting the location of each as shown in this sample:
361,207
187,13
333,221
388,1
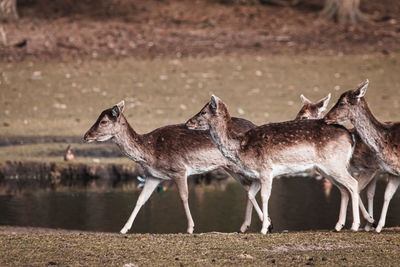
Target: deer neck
224,137
130,142
371,131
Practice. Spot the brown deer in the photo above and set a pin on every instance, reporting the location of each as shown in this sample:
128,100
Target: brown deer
282,148
383,139
171,153
363,164
310,110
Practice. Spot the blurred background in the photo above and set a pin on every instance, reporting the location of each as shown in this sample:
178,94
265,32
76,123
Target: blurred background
63,62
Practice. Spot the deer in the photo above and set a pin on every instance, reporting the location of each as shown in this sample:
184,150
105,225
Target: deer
267,151
383,139
310,110
171,153
364,165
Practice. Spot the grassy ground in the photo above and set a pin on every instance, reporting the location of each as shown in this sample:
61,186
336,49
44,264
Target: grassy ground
65,98
38,247
53,98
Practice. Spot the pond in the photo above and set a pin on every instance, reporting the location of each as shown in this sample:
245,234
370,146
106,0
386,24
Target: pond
296,204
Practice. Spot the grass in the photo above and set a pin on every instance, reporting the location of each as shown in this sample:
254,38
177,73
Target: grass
36,247
65,98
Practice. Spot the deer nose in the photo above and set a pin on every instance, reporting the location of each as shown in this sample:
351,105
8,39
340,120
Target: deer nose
189,124
85,137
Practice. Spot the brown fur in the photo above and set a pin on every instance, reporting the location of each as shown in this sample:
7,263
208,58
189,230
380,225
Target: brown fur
281,148
281,135
382,139
170,152
167,147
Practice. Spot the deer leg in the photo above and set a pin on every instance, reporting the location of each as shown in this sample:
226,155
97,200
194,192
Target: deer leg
252,192
254,188
266,186
370,196
184,194
149,186
250,199
247,217
391,188
347,181
344,201
343,208
366,178
352,185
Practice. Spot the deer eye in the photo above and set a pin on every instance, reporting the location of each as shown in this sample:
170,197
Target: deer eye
342,104
103,122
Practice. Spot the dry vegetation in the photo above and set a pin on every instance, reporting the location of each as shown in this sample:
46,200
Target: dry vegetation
75,29
38,247
52,98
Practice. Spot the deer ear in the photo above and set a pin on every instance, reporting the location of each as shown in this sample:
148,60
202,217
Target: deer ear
323,103
121,106
361,89
213,102
304,100
115,111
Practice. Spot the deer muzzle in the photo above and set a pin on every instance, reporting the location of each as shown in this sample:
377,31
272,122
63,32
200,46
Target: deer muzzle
190,124
87,138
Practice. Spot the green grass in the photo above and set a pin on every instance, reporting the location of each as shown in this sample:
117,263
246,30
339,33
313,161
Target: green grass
21,247
65,98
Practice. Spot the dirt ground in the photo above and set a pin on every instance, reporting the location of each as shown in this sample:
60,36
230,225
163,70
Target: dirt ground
69,29
43,247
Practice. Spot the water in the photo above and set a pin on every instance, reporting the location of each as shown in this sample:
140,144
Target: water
295,204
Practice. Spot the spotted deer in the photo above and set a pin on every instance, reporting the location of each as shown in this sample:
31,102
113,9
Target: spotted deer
170,153
310,110
383,139
275,149
363,164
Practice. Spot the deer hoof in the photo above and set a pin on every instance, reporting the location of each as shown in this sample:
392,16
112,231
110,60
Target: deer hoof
263,231
124,231
338,227
354,227
375,224
270,228
378,229
244,228
367,227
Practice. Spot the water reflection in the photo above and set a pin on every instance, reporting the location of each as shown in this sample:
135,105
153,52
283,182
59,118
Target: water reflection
295,204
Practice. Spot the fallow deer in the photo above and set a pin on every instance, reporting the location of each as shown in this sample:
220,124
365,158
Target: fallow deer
282,148
310,110
383,139
363,164
170,153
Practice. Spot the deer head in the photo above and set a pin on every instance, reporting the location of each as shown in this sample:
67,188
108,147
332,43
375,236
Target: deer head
107,125
311,110
210,112
346,107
